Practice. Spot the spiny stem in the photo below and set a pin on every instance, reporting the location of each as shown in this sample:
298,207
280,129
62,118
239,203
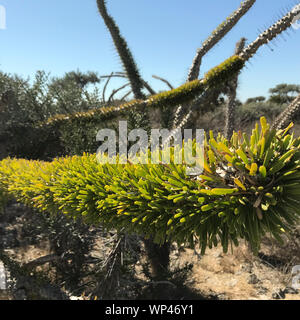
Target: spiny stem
216,36
183,94
277,28
123,51
232,87
283,120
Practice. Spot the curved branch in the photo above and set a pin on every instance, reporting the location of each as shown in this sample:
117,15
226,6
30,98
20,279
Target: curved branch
123,75
163,80
115,75
116,91
105,86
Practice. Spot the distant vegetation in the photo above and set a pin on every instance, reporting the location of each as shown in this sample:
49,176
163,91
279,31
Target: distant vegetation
24,103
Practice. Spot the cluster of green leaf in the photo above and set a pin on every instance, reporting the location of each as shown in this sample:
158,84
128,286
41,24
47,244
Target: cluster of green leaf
250,187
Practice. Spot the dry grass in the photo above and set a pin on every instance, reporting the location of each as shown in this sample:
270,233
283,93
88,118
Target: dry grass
240,275
237,275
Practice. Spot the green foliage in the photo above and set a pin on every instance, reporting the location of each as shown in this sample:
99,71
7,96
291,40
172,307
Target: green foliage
23,105
252,111
284,93
255,99
73,92
72,240
250,186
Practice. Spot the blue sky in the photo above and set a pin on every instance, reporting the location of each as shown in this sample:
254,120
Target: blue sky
64,35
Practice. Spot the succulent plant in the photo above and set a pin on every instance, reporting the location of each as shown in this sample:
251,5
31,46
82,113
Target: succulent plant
249,187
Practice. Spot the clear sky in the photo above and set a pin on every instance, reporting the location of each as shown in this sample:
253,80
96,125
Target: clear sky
64,35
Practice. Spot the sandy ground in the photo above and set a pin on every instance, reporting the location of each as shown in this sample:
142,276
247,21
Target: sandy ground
238,275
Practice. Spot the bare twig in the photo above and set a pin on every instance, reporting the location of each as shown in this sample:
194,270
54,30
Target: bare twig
42,260
126,95
123,75
105,86
116,91
163,80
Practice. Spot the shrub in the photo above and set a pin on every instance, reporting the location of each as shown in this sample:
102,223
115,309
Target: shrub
24,105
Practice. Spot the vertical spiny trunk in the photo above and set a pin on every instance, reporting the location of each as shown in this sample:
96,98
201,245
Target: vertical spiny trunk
231,104
123,51
230,109
159,258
